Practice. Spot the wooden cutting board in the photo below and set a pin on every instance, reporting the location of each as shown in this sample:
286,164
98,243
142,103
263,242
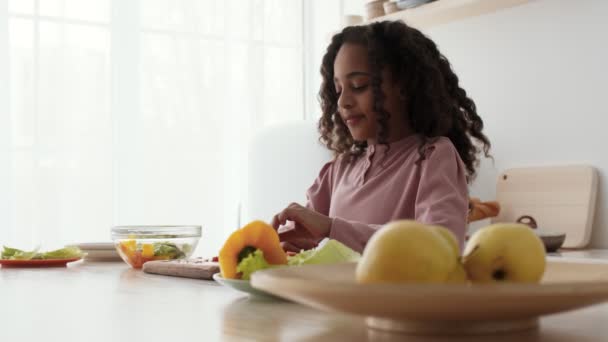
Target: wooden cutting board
559,198
196,268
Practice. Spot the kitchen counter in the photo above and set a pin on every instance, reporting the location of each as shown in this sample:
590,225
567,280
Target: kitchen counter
590,255
112,302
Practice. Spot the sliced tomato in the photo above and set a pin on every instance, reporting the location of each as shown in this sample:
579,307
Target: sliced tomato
146,259
136,260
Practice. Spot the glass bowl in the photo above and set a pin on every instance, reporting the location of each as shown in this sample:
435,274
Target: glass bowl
139,244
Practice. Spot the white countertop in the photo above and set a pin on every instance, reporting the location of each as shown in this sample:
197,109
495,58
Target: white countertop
588,255
583,253
112,302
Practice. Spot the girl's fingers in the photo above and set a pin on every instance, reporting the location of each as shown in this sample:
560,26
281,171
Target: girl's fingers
298,245
288,214
280,218
291,213
275,222
288,247
293,234
294,205
305,244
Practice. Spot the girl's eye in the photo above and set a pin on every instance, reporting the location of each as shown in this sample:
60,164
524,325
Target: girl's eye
354,88
359,88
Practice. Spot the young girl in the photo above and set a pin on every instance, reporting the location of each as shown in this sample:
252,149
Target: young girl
404,133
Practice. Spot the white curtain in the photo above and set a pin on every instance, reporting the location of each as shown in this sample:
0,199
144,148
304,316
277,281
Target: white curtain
120,112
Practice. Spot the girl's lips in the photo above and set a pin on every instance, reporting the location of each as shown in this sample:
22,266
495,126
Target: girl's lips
354,120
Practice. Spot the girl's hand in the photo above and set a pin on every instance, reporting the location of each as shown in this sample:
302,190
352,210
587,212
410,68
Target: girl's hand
298,245
308,224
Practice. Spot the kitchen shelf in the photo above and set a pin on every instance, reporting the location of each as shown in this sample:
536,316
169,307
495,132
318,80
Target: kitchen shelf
445,11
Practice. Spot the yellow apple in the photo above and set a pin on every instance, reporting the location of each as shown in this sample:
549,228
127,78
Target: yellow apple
504,252
408,251
449,237
458,275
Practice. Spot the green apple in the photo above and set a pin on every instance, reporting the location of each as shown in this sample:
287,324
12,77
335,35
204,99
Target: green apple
410,252
504,252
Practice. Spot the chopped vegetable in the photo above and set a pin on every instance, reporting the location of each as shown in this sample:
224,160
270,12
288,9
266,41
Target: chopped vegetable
253,262
328,251
63,253
17,254
256,246
137,254
168,250
147,250
245,241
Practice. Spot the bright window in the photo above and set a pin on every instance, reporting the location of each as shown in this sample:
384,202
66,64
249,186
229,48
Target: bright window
138,112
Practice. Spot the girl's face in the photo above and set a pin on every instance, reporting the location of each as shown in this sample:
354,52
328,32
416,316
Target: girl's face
352,79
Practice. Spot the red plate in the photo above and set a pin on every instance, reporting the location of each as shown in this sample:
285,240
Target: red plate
37,263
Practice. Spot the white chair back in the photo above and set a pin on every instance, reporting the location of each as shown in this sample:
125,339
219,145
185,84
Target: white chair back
284,160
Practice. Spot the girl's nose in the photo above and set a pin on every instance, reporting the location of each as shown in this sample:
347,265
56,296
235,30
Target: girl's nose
345,100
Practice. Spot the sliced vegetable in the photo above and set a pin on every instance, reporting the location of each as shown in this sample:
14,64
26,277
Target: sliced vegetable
328,251
128,247
256,235
251,263
63,253
147,250
17,254
139,253
168,250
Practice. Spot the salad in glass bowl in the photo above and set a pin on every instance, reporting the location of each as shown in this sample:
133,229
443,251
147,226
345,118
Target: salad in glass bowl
137,245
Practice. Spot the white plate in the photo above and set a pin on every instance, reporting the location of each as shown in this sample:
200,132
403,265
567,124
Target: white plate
98,251
89,246
241,285
440,308
101,255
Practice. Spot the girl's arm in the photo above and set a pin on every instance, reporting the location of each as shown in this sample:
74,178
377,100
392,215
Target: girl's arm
319,194
443,196
353,234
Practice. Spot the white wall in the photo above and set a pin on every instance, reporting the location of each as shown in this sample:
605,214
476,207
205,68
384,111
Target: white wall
538,75
323,19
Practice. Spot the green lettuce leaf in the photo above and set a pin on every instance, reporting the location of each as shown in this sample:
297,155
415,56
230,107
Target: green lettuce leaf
63,253
328,251
17,254
253,262
168,249
8,252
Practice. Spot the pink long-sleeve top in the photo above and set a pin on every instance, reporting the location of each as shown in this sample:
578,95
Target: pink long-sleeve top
386,184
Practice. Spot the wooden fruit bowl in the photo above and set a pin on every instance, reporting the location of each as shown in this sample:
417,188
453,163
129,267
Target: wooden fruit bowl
440,308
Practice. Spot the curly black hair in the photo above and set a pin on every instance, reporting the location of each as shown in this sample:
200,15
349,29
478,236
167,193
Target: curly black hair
435,103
